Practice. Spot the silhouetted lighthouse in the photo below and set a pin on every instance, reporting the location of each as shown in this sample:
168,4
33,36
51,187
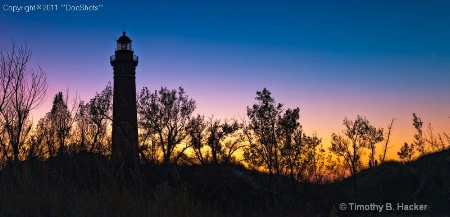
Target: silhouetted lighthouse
124,132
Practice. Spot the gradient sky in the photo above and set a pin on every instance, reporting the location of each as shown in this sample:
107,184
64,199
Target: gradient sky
379,59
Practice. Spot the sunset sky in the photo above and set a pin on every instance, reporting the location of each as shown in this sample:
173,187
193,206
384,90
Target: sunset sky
379,59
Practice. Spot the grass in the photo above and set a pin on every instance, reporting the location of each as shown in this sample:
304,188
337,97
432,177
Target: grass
89,185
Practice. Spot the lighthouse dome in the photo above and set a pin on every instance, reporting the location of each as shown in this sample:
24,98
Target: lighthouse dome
124,39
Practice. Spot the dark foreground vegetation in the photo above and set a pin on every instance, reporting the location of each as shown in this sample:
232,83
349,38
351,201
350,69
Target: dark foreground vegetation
85,184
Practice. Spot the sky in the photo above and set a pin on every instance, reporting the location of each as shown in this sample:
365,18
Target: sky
332,59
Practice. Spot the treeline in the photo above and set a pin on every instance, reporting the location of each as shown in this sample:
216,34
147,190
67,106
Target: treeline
270,138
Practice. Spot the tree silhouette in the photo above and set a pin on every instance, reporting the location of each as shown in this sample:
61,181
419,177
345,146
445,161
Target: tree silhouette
335,167
61,120
222,139
166,115
312,159
55,127
357,135
21,90
437,142
263,147
406,152
45,138
267,129
92,121
374,136
386,143
429,141
419,142
291,141
196,132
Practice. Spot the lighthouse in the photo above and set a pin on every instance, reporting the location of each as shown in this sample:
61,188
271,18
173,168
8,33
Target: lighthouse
124,128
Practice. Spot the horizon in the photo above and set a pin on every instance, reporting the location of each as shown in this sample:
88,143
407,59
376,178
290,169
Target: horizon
375,59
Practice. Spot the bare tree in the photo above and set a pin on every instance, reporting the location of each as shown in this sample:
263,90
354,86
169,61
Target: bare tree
167,115
21,90
447,138
436,141
386,143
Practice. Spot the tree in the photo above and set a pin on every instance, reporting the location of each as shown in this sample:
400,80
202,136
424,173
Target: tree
349,149
406,152
335,167
196,133
267,129
5,152
291,141
436,141
263,147
418,142
447,138
45,137
36,147
429,141
55,127
382,157
374,136
21,90
359,134
221,138
311,159
92,121
61,121
166,114
386,144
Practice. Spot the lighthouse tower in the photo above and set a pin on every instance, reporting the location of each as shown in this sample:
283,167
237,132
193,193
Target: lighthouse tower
124,129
